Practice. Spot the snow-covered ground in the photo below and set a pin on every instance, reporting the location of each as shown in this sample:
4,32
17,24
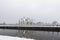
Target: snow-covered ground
13,38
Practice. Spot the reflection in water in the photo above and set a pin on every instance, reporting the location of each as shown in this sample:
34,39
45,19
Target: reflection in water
39,35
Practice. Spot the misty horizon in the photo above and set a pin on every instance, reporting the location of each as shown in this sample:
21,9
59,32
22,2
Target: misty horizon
39,10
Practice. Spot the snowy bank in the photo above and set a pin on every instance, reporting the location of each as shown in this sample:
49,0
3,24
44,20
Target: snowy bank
12,38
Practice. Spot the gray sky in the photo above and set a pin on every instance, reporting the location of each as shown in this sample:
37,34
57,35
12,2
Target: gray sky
41,10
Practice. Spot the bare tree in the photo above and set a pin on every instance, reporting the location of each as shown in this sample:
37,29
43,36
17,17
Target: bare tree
4,23
55,23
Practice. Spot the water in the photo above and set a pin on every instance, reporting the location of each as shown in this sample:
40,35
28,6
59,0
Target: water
38,35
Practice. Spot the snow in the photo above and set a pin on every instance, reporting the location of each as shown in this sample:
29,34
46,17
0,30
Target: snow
13,38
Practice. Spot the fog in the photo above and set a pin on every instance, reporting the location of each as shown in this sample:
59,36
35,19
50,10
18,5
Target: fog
39,10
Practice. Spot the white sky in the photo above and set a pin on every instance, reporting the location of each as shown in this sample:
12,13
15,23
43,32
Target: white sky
41,10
